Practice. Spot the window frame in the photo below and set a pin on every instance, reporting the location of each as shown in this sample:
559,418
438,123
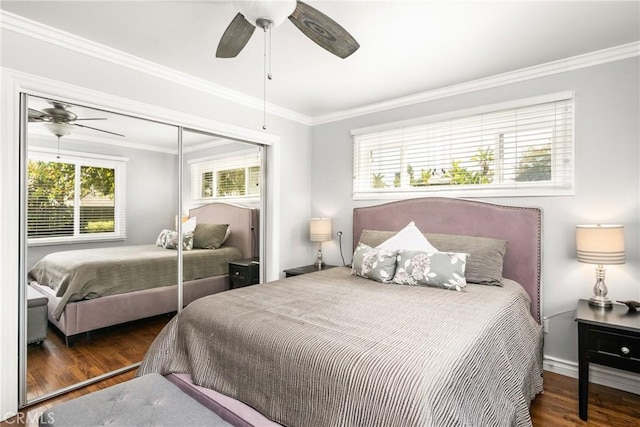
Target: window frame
79,160
215,164
507,189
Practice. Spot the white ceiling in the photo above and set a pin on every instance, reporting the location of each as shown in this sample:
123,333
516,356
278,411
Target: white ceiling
407,47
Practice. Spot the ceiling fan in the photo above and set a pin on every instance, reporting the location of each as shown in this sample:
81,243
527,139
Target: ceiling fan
267,14
60,121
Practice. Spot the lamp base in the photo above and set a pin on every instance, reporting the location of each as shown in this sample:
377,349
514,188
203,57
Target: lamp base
319,263
599,298
600,302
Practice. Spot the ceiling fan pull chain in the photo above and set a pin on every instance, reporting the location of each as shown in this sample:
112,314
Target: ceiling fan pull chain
264,83
269,76
58,156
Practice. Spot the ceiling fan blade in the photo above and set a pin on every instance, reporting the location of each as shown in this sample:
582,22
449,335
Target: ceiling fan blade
37,116
99,130
323,30
90,118
235,37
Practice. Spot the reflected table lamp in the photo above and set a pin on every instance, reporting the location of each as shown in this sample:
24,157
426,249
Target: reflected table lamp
319,231
600,245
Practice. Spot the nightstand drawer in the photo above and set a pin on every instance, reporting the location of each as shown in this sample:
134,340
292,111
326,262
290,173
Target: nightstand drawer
237,272
614,344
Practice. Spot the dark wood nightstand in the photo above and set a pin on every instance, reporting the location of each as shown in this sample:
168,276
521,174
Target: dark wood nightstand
290,272
609,337
244,272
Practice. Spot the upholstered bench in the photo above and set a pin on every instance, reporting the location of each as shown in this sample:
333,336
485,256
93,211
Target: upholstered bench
37,312
149,400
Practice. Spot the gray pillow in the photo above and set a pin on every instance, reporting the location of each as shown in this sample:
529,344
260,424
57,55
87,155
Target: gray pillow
436,269
374,263
486,255
209,236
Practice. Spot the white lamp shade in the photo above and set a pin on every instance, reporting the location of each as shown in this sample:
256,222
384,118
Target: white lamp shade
320,229
600,244
274,10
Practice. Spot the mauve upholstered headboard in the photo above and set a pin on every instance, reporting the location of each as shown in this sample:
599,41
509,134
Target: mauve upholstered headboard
243,222
520,226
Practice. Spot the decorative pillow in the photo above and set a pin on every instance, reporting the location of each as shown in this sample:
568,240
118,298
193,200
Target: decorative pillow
486,255
209,236
162,237
169,240
189,226
374,263
409,238
436,269
226,236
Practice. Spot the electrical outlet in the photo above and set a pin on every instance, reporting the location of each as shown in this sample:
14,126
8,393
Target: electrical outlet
545,326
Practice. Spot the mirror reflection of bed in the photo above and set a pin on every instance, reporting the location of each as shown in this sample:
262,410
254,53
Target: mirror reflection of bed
96,300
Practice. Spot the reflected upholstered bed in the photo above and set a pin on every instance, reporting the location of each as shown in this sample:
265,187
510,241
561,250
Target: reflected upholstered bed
151,280
334,348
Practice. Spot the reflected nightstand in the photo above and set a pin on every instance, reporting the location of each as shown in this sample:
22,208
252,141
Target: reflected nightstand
244,272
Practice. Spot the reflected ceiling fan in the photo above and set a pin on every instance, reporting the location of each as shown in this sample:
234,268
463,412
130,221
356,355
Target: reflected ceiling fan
267,14
60,121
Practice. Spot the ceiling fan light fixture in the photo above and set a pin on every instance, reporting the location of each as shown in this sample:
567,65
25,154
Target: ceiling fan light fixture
275,11
59,129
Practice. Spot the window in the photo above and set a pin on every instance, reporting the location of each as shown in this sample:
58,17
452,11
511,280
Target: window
235,176
514,149
74,198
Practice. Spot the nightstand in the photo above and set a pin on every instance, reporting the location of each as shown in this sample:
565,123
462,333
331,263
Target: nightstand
305,269
244,272
609,337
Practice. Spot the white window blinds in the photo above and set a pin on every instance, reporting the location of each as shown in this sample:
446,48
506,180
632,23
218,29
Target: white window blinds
74,198
228,176
521,148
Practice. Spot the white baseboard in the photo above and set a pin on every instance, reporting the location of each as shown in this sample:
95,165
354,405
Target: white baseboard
609,377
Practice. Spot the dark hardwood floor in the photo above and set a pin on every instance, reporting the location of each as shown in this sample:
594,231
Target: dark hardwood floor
556,407
52,365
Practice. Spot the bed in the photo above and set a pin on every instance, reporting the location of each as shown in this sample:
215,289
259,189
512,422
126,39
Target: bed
334,348
153,293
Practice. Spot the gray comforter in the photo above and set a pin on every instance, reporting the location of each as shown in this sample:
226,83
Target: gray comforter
94,273
331,349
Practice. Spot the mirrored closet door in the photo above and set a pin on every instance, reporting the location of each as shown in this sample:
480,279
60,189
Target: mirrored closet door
119,221
98,189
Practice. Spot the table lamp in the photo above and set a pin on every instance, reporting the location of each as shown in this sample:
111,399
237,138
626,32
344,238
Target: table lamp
319,231
600,245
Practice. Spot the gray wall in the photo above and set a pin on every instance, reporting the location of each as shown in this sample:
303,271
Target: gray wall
607,183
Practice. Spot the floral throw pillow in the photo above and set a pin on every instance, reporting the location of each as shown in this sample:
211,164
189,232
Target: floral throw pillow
436,269
169,240
374,263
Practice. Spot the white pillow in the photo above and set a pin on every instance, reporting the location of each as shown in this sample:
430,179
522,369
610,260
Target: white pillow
189,226
409,238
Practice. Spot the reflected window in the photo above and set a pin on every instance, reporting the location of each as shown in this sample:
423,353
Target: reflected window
226,177
74,197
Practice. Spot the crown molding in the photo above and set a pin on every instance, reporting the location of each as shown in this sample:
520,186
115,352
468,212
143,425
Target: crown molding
563,65
66,40
47,34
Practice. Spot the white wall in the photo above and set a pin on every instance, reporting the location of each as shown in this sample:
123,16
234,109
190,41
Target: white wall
288,157
607,139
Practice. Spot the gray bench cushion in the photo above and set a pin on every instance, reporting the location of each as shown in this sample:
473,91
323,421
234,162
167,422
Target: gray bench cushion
149,400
